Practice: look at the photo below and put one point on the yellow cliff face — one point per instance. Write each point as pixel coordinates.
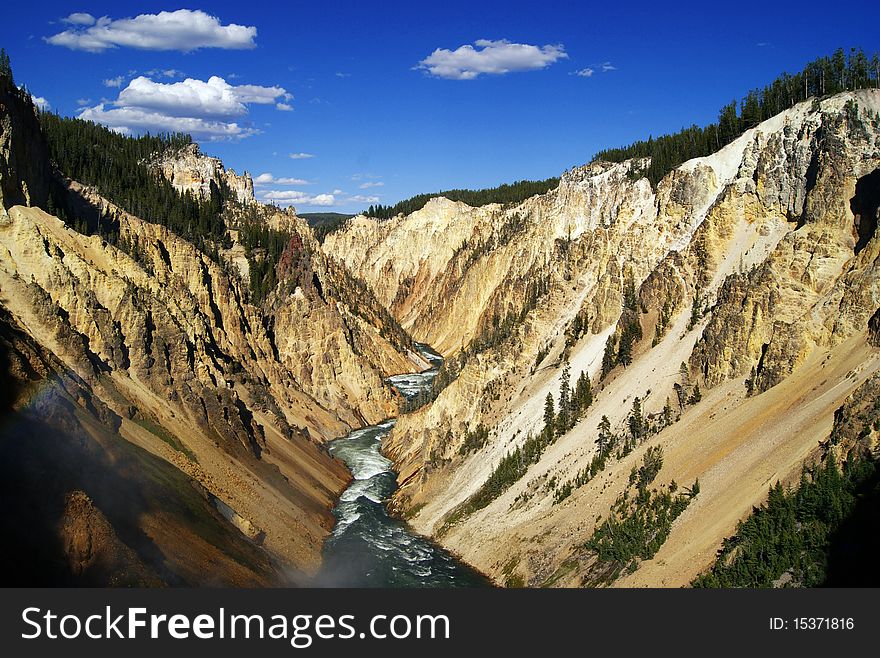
(758, 262)
(236, 396)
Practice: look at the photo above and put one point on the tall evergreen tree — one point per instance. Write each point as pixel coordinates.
(6, 67)
(609, 358)
(563, 419)
(549, 418)
(583, 393)
(605, 436)
(636, 421)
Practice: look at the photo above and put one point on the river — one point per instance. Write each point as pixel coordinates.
(368, 546)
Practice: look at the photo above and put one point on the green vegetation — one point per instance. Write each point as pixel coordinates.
(498, 330)
(637, 524)
(116, 165)
(821, 77)
(619, 347)
(652, 462)
(157, 430)
(324, 223)
(6, 67)
(793, 532)
(507, 194)
(263, 248)
(638, 429)
(573, 402)
(578, 328)
(512, 579)
(510, 469)
(687, 392)
(448, 373)
(662, 322)
(474, 440)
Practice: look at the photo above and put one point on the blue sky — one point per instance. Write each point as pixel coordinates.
(355, 86)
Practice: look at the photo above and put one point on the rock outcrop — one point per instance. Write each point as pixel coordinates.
(25, 173)
(189, 170)
(164, 340)
(754, 278)
(83, 506)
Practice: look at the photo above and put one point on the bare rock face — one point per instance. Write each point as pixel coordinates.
(243, 186)
(24, 163)
(94, 552)
(169, 332)
(86, 506)
(755, 263)
(188, 170)
(805, 292)
(173, 356)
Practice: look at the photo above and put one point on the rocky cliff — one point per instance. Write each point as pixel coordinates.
(226, 397)
(189, 170)
(730, 305)
(25, 172)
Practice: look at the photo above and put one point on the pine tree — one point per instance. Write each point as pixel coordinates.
(563, 419)
(667, 414)
(6, 67)
(583, 393)
(603, 441)
(636, 420)
(609, 358)
(549, 418)
(624, 351)
(750, 382)
(684, 374)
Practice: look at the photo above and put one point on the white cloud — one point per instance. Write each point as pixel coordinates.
(337, 191)
(608, 66)
(132, 119)
(584, 73)
(268, 179)
(41, 103)
(202, 108)
(79, 18)
(114, 82)
(342, 75)
(301, 156)
(366, 186)
(284, 107)
(290, 197)
(82, 102)
(185, 30)
(214, 98)
(490, 57)
(363, 199)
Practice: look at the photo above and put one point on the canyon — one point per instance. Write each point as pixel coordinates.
(756, 263)
(151, 348)
(173, 427)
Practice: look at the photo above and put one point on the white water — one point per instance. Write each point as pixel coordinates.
(368, 547)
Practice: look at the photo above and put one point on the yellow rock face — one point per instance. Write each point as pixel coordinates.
(170, 343)
(750, 258)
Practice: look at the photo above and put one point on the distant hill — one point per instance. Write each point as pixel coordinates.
(323, 223)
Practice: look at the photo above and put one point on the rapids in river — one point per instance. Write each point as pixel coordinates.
(368, 546)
